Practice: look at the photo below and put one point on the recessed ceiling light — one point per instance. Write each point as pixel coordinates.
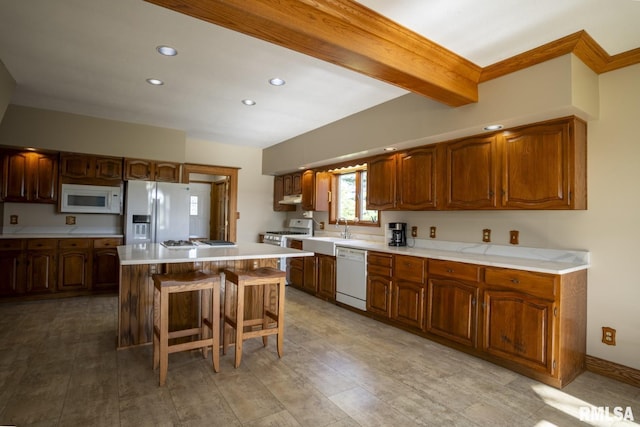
(166, 51)
(277, 81)
(155, 82)
(493, 127)
(248, 102)
(390, 149)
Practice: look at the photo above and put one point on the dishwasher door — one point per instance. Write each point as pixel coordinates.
(351, 277)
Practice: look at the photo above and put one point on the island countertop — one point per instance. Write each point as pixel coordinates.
(155, 253)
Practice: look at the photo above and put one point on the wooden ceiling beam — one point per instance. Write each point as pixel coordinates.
(350, 35)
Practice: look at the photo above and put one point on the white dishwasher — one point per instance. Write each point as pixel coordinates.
(351, 277)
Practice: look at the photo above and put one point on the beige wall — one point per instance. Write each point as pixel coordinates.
(255, 200)
(7, 84)
(609, 229)
(47, 129)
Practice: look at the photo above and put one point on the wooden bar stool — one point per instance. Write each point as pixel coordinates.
(209, 287)
(271, 322)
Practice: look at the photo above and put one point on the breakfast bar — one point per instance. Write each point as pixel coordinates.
(137, 264)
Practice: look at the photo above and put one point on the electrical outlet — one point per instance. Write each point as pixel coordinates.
(432, 232)
(414, 231)
(513, 237)
(70, 220)
(13, 219)
(486, 235)
(608, 335)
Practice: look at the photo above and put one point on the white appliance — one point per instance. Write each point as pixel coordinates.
(351, 277)
(156, 212)
(76, 198)
(297, 228)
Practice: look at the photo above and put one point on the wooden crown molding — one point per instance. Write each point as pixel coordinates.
(348, 34)
(580, 44)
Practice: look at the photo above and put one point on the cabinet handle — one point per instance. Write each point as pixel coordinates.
(329, 196)
(515, 281)
(449, 270)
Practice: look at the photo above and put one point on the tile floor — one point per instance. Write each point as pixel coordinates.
(59, 367)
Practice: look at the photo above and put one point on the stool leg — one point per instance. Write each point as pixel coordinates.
(280, 326)
(239, 322)
(215, 329)
(164, 335)
(156, 328)
(266, 294)
(226, 313)
(205, 314)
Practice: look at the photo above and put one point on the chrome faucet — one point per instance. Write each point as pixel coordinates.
(346, 234)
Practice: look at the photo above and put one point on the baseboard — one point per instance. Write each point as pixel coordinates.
(613, 370)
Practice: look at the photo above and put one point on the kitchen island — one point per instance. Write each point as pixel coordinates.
(137, 264)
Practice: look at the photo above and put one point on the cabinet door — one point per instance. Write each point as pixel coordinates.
(452, 310)
(77, 165)
(138, 169)
(167, 172)
(518, 328)
(381, 183)
(105, 269)
(310, 281)
(379, 295)
(537, 167)
(327, 276)
(408, 303)
(416, 182)
(15, 172)
(11, 272)
(108, 168)
(41, 271)
(278, 194)
(308, 186)
(74, 269)
(471, 167)
(45, 179)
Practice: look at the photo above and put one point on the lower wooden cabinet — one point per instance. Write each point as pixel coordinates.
(310, 274)
(452, 310)
(46, 266)
(379, 283)
(409, 291)
(326, 270)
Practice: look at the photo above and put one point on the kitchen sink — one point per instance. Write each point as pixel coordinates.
(323, 245)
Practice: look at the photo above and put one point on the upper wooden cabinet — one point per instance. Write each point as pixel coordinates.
(89, 169)
(278, 194)
(471, 173)
(28, 176)
(315, 190)
(416, 179)
(404, 181)
(292, 184)
(151, 170)
(544, 166)
(381, 182)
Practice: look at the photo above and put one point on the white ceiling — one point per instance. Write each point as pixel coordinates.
(92, 57)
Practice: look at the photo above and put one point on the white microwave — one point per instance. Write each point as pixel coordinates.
(77, 198)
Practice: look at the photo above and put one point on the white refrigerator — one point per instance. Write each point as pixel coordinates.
(156, 212)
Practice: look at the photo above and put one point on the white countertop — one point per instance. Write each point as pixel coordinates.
(553, 261)
(59, 236)
(153, 253)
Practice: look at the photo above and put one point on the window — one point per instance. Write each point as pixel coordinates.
(193, 208)
(350, 202)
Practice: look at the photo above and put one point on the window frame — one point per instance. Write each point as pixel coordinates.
(333, 205)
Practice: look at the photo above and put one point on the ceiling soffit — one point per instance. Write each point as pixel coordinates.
(348, 34)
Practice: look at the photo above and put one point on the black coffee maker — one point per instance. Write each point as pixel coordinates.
(398, 234)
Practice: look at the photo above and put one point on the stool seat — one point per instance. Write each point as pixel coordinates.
(209, 318)
(272, 320)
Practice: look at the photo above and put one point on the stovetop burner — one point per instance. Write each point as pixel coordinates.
(178, 244)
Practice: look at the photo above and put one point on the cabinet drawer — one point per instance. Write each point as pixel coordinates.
(380, 259)
(75, 243)
(378, 270)
(106, 243)
(537, 284)
(295, 244)
(10, 244)
(455, 270)
(410, 268)
(42, 244)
